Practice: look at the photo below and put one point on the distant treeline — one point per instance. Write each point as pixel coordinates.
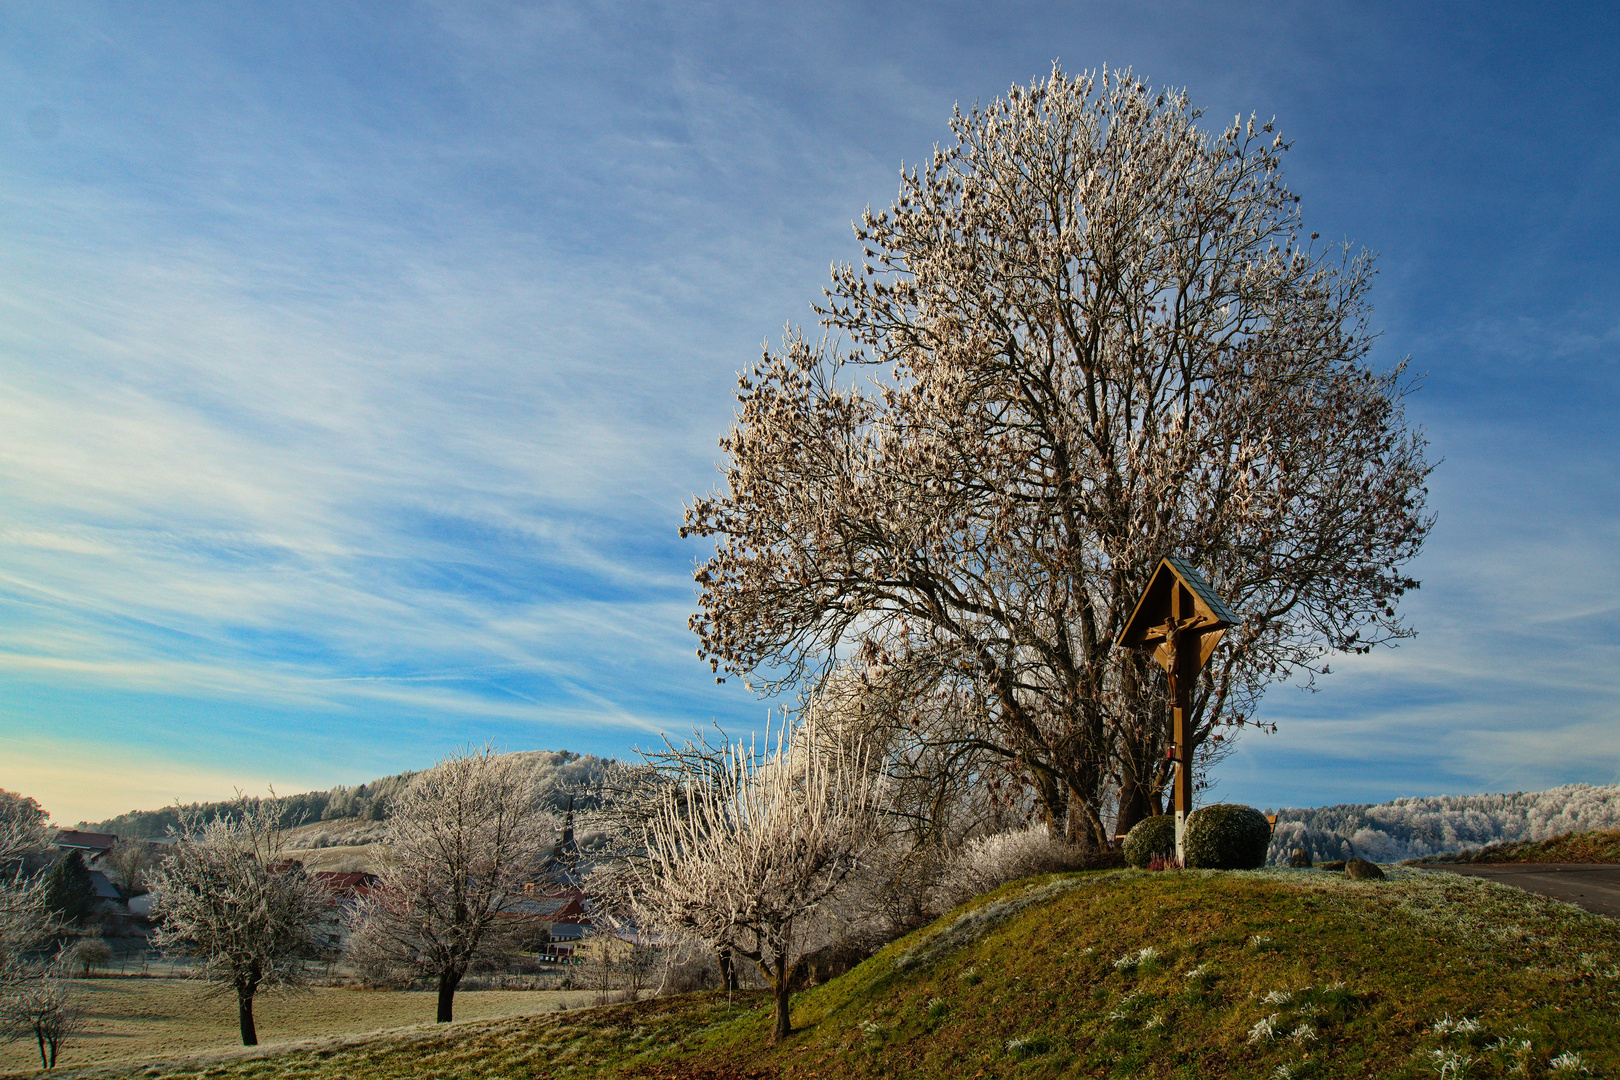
(1417, 827)
(156, 824)
(554, 774)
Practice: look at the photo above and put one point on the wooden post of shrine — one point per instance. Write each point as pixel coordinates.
(1179, 620)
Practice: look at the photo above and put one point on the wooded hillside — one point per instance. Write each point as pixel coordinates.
(552, 773)
(1413, 828)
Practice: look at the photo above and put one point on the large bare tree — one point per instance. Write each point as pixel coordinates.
(461, 842)
(742, 856)
(1089, 333)
(227, 897)
(25, 920)
(28, 980)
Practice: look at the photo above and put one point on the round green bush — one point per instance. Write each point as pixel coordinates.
(1151, 836)
(1227, 837)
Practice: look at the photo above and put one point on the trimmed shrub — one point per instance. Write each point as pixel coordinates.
(1227, 837)
(1151, 836)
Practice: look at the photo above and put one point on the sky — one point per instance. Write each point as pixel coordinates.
(356, 360)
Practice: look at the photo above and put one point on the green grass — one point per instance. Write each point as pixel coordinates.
(585, 1042)
(1201, 974)
(1601, 846)
(129, 1019)
(1358, 973)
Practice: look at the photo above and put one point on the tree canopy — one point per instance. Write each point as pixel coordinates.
(462, 840)
(228, 897)
(1089, 333)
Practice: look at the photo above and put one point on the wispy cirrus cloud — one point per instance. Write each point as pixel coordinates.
(354, 364)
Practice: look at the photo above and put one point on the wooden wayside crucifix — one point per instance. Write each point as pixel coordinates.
(1179, 620)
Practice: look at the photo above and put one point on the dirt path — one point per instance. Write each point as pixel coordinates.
(1593, 886)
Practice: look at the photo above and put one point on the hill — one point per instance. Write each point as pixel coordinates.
(1408, 828)
(1118, 973)
(1588, 847)
(1417, 828)
(339, 816)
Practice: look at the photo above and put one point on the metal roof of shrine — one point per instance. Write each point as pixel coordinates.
(1156, 596)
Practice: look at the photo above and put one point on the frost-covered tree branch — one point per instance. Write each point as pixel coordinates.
(743, 856)
(461, 843)
(1089, 333)
(227, 897)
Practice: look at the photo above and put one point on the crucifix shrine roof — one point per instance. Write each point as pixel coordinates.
(1154, 606)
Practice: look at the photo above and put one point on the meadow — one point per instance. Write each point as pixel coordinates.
(130, 1021)
(1197, 975)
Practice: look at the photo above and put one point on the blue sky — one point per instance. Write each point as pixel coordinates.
(356, 359)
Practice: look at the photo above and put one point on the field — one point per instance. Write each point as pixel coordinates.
(128, 1020)
(344, 845)
(1198, 975)
(347, 859)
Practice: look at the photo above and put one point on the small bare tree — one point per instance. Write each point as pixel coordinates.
(87, 954)
(27, 922)
(130, 861)
(461, 843)
(629, 797)
(40, 1004)
(227, 897)
(600, 964)
(742, 858)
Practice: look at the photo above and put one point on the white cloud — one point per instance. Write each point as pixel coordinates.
(369, 388)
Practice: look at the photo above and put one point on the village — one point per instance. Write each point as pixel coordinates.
(551, 918)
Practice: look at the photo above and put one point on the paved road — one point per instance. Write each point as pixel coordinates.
(1595, 887)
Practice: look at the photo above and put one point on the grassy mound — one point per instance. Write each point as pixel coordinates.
(1588, 847)
(1199, 974)
(1232, 974)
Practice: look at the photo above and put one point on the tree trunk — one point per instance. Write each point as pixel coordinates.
(1054, 802)
(244, 1014)
(1134, 804)
(779, 986)
(40, 1035)
(728, 971)
(1136, 770)
(448, 981)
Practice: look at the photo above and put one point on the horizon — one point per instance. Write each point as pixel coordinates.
(359, 361)
(51, 823)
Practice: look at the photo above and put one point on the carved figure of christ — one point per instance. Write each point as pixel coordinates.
(1178, 621)
(1180, 655)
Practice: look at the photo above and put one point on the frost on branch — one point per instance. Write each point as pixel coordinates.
(1090, 332)
(988, 862)
(461, 842)
(743, 855)
(228, 898)
(34, 991)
